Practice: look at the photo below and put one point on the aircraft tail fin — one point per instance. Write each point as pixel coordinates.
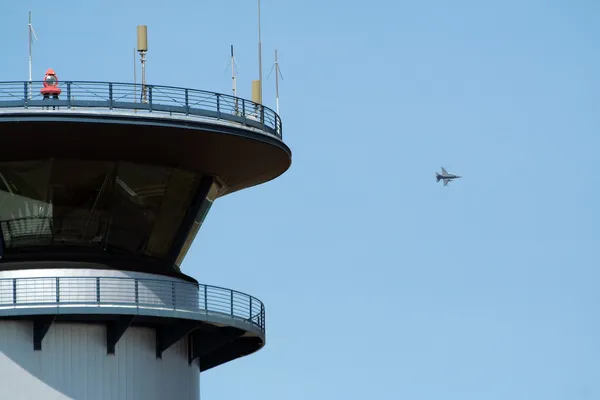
(437, 177)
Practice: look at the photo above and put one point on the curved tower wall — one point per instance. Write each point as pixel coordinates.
(74, 365)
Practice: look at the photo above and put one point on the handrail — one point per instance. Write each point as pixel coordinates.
(102, 291)
(190, 103)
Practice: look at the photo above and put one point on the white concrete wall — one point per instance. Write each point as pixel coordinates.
(73, 364)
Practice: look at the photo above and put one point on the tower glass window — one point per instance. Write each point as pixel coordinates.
(93, 206)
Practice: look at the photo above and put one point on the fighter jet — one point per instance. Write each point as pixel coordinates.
(445, 176)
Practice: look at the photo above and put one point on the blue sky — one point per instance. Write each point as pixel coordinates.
(378, 282)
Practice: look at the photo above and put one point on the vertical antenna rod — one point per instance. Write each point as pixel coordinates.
(134, 78)
(233, 72)
(31, 31)
(233, 82)
(276, 81)
(259, 55)
(277, 75)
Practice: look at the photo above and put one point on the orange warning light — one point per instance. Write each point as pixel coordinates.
(50, 85)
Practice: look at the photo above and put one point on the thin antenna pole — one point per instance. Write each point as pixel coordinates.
(31, 31)
(143, 60)
(233, 81)
(134, 77)
(278, 74)
(276, 81)
(30, 39)
(259, 54)
(233, 72)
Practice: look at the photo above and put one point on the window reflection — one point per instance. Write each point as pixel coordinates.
(79, 201)
(93, 205)
(25, 207)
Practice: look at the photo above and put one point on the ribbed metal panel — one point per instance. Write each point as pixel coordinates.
(74, 365)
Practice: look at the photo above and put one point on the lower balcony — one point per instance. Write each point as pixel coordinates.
(222, 324)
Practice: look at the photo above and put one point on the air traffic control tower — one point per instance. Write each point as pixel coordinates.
(103, 187)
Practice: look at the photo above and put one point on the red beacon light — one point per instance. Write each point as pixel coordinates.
(50, 85)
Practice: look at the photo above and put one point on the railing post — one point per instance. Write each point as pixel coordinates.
(57, 290)
(280, 128)
(150, 98)
(110, 95)
(250, 312)
(98, 290)
(137, 293)
(174, 299)
(244, 110)
(218, 106)
(260, 315)
(231, 301)
(187, 102)
(205, 298)
(69, 95)
(25, 95)
(262, 116)
(14, 290)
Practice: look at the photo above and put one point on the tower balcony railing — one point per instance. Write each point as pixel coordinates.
(137, 98)
(126, 295)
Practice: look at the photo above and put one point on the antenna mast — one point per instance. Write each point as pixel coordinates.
(233, 82)
(277, 72)
(257, 84)
(277, 75)
(259, 56)
(233, 72)
(134, 78)
(31, 31)
(142, 47)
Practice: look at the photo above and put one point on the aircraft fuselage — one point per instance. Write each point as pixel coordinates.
(445, 176)
(449, 177)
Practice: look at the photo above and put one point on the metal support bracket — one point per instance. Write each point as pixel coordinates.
(204, 342)
(40, 328)
(167, 336)
(116, 329)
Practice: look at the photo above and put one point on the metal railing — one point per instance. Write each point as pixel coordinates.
(128, 96)
(23, 293)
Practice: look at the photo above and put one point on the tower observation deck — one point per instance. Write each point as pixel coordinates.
(101, 196)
